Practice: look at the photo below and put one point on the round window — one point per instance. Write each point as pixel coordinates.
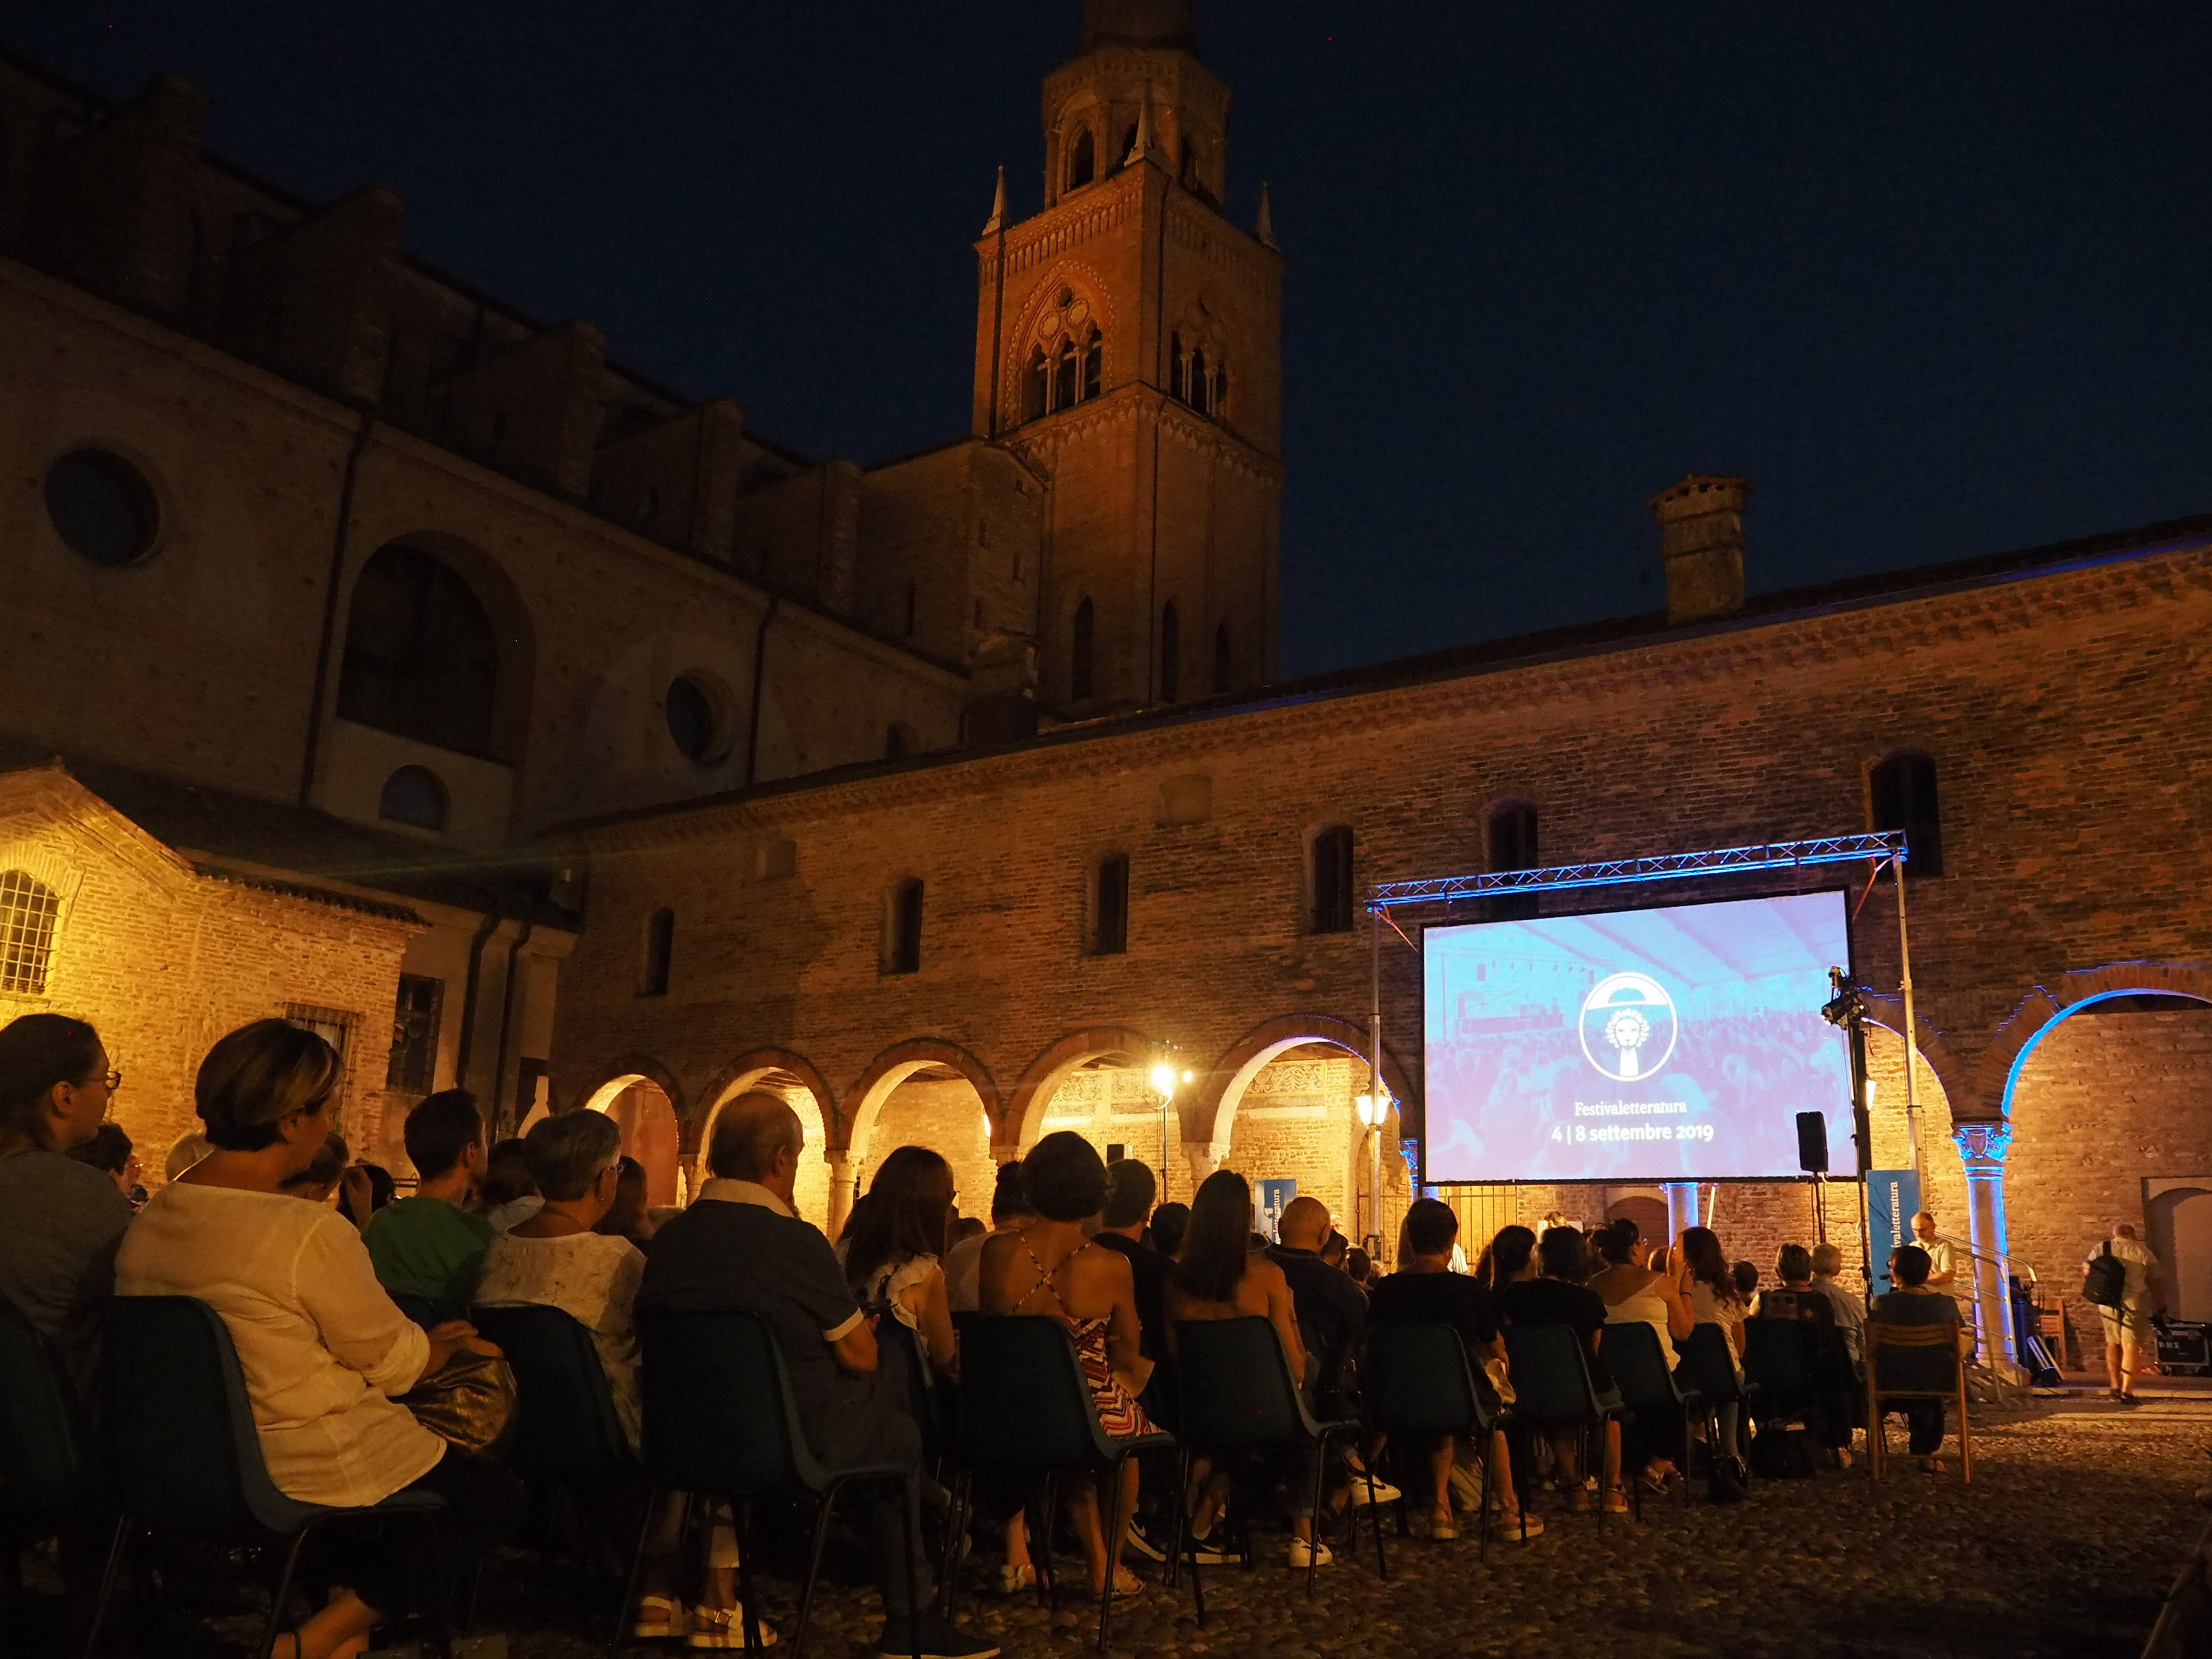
(692, 724)
(103, 506)
(413, 795)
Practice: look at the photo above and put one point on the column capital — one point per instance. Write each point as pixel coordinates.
(1983, 1146)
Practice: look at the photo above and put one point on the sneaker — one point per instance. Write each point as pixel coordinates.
(1383, 1493)
(1214, 1550)
(1303, 1554)
(1141, 1543)
(1443, 1526)
(933, 1636)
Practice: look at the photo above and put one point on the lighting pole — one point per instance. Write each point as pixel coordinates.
(1163, 1085)
(1374, 1112)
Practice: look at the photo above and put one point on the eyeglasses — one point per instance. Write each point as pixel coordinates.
(113, 1080)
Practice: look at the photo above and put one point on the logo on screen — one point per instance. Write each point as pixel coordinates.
(1628, 1026)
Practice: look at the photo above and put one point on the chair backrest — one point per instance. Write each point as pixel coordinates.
(184, 1450)
(422, 1310)
(568, 1428)
(1023, 1401)
(1777, 1361)
(1549, 1365)
(1639, 1368)
(1415, 1380)
(46, 1464)
(719, 1416)
(925, 1402)
(1237, 1385)
(1912, 1359)
(1708, 1365)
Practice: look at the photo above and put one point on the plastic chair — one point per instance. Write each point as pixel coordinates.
(1648, 1385)
(1552, 1385)
(185, 1454)
(1417, 1386)
(567, 1432)
(422, 1309)
(1933, 1351)
(1025, 1405)
(1708, 1365)
(1238, 1395)
(1778, 1371)
(721, 1422)
(49, 1475)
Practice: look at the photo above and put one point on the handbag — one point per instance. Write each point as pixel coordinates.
(1500, 1383)
(2106, 1283)
(469, 1404)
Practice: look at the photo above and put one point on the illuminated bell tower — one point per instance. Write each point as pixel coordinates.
(1128, 345)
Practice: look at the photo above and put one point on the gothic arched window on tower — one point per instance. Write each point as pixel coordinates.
(1221, 659)
(1080, 650)
(1034, 387)
(1066, 376)
(1082, 160)
(1094, 363)
(1170, 653)
(1199, 382)
(1067, 365)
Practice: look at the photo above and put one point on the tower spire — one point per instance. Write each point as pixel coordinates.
(1142, 149)
(997, 221)
(1265, 230)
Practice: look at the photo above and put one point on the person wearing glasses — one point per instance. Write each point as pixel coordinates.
(64, 1218)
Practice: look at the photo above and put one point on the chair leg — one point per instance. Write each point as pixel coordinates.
(910, 1533)
(1965, 1434)
(813, 1572)
(1481, 1497)
(1047, 1579)
(1113, 1537)
(963, 1492)
(275, 1622)
(1313, 1522)
(107, 1577)
(636, 1570)
(1374, 1515)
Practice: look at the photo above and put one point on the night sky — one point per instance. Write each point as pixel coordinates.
(1936, 278)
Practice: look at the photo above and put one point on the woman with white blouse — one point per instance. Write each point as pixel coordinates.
(325, 1352)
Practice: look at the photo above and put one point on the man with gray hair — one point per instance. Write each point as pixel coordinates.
(1851, 1312)
(2128, 1332)
(742, 1247)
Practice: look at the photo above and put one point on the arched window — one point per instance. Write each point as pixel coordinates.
(421, 658)
(1199, 383)
(1330, 884)
(1109, 906)
(1068, 363)
(1082, 161)
(1035, 401)
(1511, 844)
(902, 929)
(1901, 792)
(27, 909)
(1178, 370)
(1171, 653)
(1067, 379)
(1222, 661)
(413, 795)
(899, 742)
(1094, 364)
(1078, 652)
(659, 952)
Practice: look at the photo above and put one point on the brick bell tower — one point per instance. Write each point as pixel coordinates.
(1129, 344)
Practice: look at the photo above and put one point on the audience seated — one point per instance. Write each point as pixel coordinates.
(1359, 1267)
(1746, 1283)
(893, 1253)
(1219, 1275)
(1559, 1295)
(1331, 1313)
(1915, 1302)
(1130, 1190)
(1850, 1310)
(428, 1247)
(63, 1218)
(1010, 1213)
(364, 1189)
(1509, 1257)
(1634, 1294)
(967, 1227)
(1426, 1291)
(1169, 1221)
(325, 1354)
(628, 1218)
(510, 1192)
(186, 1150)
(1050, 1266)
(742, 1247)
(109, 1152)
(321, 1177)
(1708, 1282)
(1333, 1248)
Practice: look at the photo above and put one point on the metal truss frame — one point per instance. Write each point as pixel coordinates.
(1877, 847)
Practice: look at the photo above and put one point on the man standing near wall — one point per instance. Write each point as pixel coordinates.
(2128, 1330)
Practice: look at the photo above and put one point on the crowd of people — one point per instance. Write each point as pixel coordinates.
(351, 1305)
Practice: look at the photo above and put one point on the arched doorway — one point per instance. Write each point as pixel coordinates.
(2104, 1101)
(937, 1108)
(646, 1117)
(811, 1190)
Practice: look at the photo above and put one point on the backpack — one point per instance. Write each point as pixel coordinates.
(1782, 1454)
(1728, 1480)
(2106, 1283)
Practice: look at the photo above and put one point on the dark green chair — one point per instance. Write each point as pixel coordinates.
(1025, 1407)
(1552, 1387)
(187, 1456)
(1778, 1370)
(1647, 1383)
(1237, 1395)
(566, 1435)
(50, 1474)
(1416, 1387)
(721, 1422)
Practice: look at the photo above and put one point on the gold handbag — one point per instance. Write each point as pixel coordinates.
(469, 1404)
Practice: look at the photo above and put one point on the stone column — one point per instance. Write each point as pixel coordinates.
(842, 1174)
(1682, 1210)
(1982, 1149)
(1204, 1157)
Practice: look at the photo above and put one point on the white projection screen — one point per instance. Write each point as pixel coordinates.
(1671, 1044)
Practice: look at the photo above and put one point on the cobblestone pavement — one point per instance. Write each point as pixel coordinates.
(2064, 1546)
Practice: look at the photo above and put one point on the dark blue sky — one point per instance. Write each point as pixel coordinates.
(1938, 278)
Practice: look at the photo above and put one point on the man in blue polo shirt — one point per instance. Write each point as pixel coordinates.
(742, 1247)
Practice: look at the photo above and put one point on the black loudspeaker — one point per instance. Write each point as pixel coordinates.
(1813, 1142)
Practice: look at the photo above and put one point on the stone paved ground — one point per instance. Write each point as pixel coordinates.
(2062, 1546)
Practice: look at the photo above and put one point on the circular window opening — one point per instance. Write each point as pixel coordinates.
(102, 507)
(692, 724)
(413, 796)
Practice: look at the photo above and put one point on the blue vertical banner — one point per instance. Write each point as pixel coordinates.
(1274, 1196)
(1892, 1199)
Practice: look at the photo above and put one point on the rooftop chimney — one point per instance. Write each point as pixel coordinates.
(1701, 539)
